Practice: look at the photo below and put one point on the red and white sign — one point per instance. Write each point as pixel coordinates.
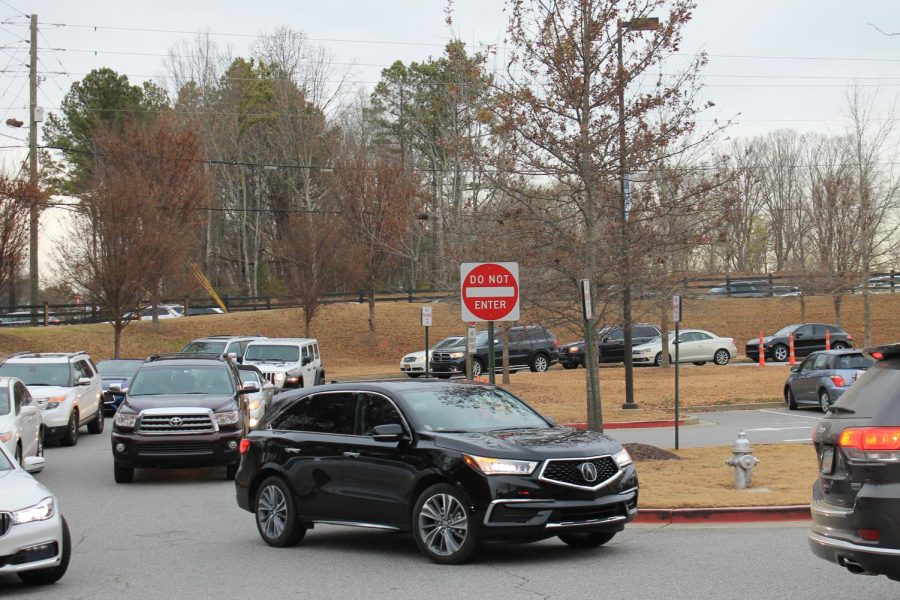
(489, 291)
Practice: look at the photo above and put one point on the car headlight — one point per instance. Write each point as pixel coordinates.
(292, 380)
(228, 418)
(642, 351)
(622, 458)
(279, 378)
(5, 436)
(41, 511)
(500, 466)
(457, 354)
(572, 350)
(55, 401)
(255, 404)
(125, 420)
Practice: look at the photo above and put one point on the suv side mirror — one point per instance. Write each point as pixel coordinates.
(249, 388)
(83, 381)
(29, 411)
(392, 432)
(34, 464)
(306, 360)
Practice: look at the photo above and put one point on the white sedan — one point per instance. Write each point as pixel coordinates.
(695, 346)
(21, 423)
(413, 364)
(34, 537)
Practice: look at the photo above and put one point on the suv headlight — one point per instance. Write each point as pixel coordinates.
(572, 349)
(228, 418)
(279, 378)
(500, 466)
(457, 354)
(622, 458)
(41, 511)
(55, 401)
(254, 404)
(125, 420)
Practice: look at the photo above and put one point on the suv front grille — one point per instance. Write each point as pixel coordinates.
(568, 472)
(440, 356)
(5, 523)
(269, 377)
(177, 423)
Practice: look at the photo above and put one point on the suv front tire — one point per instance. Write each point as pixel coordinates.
(70, 437)
(441, 525)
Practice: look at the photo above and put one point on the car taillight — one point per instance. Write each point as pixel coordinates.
(849, 337)
(869, 535)
(878, 356)
(245, 445)
(838, 380)
(879, 444)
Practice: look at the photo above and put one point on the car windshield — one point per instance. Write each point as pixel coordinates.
(39, 373)
(250, 377)
(4, 401)
(449, 342)
(853, 361)
(280, 353)
(5, 464)
(162, 380)
(118, 368)
(468, 409)
(204, 348)
(785, 330)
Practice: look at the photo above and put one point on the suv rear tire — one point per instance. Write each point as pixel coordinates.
(441, 525)
(276, 514)
(70, 437)
(540, 363)
(96, 426)
(477, 367)
(591, 539)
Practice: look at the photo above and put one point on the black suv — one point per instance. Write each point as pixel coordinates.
(454, 463)
(856, 498)
(610, 344)
(742, 289)
(530, 346)
(808, 338)
(181, 410)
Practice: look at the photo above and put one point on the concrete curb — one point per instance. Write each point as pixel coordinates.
(639, 424)
(745, 406)
(733, 514)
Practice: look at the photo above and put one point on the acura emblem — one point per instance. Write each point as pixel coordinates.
(588, 471)
(176, 422)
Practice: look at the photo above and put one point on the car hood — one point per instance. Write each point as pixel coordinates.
(213, 402)
(20, 490)
(755, 341)
(530, 444)
(273, 367)
(47, 391)
(416, 355)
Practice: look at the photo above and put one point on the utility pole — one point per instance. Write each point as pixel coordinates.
(33, 166)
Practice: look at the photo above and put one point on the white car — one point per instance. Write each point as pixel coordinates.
(34, 538)
(21, 426)
(66, 385)
(163, 311)
(287, 363)
(257, 402)
(413, 364)
(695, 346)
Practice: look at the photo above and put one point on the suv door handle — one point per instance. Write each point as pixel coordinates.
(351, 454)
(293, 450)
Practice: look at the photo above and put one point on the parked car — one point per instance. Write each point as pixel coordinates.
(611, 344)
(447, 461)
(257, 402)
(808, 338)
(759, 288)
(67, 387)
(117, 371)
(194, 311)
(222, 345)
(26, 318)
(287, 362)
(823, 377)
(182, 410)
(880, 284)
(855, 498)
(162, 311)
(21, 425)
(34, 538)
(413, 364)
(695, 346)
(783, 291)
(530, 347)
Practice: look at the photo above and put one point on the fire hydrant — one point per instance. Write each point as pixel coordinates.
(743, 462)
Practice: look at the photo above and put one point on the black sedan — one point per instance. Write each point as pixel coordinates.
(454, 463)
(808, 338)
(855, 499)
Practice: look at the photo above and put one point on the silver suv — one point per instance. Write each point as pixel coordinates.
(68, 387)
(287, 362)
(223, 345)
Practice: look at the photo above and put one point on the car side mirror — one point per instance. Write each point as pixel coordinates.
(268, 386)
(392, 432)
(34, 464)
(115, 388)
(795, 369)
(306, 360)
(29, 411)
(83, 381)
(249, 388)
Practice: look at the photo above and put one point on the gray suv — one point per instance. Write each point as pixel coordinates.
(824, 377)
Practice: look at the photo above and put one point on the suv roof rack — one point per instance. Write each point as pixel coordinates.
(228, 335)
(184, 356)
(23, 353)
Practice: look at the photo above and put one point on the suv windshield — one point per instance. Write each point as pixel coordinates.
(118, 368)
(4, 401)
(853, 361)
(785, 330)
(34, 373)
(157, 381)
(450, 342)
(278, 353)
(204, 348)
(465, 409)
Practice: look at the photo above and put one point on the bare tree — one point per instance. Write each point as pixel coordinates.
(16, 195)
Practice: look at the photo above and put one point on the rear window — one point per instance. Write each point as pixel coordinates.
(879, 386)
(273, 352)
(204, 348)
(853, 361)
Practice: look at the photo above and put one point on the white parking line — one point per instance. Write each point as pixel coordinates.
(775, 412)
(800, 440)
(776, 428)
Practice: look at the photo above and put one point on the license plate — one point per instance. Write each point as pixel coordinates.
(827, 463)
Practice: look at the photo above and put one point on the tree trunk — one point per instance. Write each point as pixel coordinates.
(837, 300)
(117, 339)
(664, 323)
(802, 307)
(373, 328)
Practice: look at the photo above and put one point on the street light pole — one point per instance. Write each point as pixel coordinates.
(637, 24)
(33, 167)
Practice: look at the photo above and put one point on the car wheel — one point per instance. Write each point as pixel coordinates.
(699, 363)
(414, 375)
(477, 367)
(441, 525)
(721, 357)
(658, 361)
(70, 438)
(824, 400)
(276, 514)
(586, 540)
(123, 474)
(96, 426)
(838, 346)
(780, 353)
(789, 398)
(539, 363)
(54, 574)
(231, 471)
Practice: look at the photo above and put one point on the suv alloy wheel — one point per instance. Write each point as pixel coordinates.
(477, 367)
(780, 353)
(722, 357)
(276, 515)
(441, 525)
(539, 363)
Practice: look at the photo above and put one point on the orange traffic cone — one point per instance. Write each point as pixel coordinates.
(792, 360)
(762, 351)
(827, 339)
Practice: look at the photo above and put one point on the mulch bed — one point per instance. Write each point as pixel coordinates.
(648, 452)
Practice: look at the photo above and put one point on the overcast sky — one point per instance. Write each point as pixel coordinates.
(773, 63)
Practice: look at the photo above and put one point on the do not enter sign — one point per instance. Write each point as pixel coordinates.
(489, 291)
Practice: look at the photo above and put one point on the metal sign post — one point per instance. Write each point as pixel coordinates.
(491, 352)
(594, 411)
(426, 323)
(676, 317)
(471, 347)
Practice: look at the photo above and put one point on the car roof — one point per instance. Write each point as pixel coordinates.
(841, 352)
(50, 357)
(387, 386)
(284, 341)
(122, 360)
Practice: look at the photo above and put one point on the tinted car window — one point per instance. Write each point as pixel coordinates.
(325, 413)
(807, 364)
(4, 401)
(373, 410)
(205, 347)
(835, 329)
(118, 368)
(645, 331)
(806, 330)
(163, 380)
(516, 335)
(82, 370)
(879, 386)
(853, 361)
(39, 373)
(821, 362)
(615, 335)
(818, 330)
(471, 409)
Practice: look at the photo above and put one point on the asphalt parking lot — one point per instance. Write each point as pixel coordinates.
(179, 534)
